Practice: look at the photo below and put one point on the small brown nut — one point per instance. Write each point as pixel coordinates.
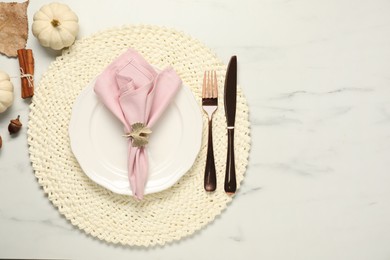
(14, 126)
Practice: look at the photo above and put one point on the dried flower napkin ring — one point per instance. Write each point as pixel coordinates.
(139, 134)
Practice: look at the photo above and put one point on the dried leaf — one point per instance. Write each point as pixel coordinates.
(13, 27)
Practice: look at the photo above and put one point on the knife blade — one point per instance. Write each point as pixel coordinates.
(230, 97)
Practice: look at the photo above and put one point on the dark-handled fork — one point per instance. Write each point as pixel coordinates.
(210, 105)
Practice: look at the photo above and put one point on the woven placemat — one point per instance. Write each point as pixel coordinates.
(160, 217)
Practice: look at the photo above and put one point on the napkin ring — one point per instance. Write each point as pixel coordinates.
(139, 134)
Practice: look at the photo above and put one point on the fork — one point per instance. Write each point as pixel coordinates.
(210, 105)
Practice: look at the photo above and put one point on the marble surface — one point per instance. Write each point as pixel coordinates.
(316, 76)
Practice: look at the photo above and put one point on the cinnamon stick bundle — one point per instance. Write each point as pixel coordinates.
(26, 63)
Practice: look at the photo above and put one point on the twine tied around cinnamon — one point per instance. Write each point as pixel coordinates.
(28, 76)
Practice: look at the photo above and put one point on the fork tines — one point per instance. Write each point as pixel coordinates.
(210, 88)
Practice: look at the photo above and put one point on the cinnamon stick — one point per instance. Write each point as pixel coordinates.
(26, 63)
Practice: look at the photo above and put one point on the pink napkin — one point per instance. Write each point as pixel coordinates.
(136, 93)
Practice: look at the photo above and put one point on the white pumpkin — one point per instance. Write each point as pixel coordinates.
(6, 92)
(55, 25)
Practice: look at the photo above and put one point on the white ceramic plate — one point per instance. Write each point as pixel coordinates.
(97, 141)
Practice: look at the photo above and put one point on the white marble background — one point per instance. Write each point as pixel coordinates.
(317, 78)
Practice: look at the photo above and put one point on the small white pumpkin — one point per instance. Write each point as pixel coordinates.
(55, 25)
(6, 92)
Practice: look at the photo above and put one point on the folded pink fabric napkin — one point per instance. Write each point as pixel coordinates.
(136, 93)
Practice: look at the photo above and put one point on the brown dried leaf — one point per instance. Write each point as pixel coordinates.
(13, 27)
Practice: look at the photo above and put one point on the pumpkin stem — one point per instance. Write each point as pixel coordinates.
(55, 23)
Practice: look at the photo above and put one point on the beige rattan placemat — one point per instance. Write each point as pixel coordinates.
(161, 217)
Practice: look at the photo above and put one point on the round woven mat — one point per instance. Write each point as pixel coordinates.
(160, 217)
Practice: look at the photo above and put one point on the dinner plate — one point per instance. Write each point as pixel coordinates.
(96, 138)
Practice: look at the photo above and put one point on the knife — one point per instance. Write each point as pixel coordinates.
(230, 113)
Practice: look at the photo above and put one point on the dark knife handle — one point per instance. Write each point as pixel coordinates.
(230, 175)
(210, 176)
